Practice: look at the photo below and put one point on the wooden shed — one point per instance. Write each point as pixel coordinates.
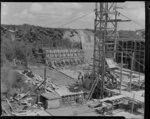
(50, 100)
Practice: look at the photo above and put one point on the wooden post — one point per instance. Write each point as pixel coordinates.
(131, 70)
(26, 56)
(133, 103)
(112, 107)
(121, 71)
(14, 60)
(45, 79)
(139, 81)
(7, 112)
(115, 43)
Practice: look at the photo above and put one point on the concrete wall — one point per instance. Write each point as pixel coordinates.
(62, 56)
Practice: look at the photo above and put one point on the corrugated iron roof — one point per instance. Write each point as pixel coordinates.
(50, 95)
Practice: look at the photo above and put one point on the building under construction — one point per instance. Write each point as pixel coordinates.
(115, 79)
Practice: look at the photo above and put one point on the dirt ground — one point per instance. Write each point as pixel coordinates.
(71, 111)
(61, 79)
(56, 77)
(128, 115)
(84, 110)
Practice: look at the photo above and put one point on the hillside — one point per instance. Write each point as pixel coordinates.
(30, 38)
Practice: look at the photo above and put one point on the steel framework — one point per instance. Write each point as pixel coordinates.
(104, 41)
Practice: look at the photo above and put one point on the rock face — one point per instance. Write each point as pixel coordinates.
(85, 37)
(55, 38)
(72, 35)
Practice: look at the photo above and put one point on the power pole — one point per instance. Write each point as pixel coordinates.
(104, 40)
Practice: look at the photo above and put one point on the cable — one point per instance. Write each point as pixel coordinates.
(80, 17)
(130, 19)
(74, 20)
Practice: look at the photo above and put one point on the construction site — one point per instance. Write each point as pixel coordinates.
(104, 77)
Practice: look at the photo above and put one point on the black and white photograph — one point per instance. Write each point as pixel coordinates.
(73, 59)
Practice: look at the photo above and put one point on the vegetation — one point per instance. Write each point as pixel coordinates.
(27, 47)
(30, 39)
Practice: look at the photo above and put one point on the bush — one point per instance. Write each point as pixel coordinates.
(6, 49)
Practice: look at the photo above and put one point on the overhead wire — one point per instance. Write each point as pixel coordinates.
(74, 20)
(130, 19)
(80, 17)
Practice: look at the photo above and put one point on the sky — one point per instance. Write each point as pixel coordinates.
(68, 15)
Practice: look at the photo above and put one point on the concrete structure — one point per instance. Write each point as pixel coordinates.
(62, 57)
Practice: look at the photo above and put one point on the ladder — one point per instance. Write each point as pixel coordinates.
(92, 88)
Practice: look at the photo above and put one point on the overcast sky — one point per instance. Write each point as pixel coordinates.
(55, 14)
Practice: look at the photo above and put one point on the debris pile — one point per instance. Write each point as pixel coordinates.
(22, 100)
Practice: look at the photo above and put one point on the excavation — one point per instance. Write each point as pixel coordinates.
(96, 72)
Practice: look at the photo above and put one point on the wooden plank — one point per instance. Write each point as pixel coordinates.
(3, 108)
(10, 105)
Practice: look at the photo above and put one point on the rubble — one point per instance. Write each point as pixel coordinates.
(25, 104)
(100, 77)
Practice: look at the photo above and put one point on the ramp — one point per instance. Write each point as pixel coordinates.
(111, 64)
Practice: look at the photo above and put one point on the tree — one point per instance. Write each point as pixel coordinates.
(6, 49)
(19, 50)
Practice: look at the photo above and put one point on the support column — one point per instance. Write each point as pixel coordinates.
(131, 71)
(132, 103)
(45, 79)
(121, 70)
